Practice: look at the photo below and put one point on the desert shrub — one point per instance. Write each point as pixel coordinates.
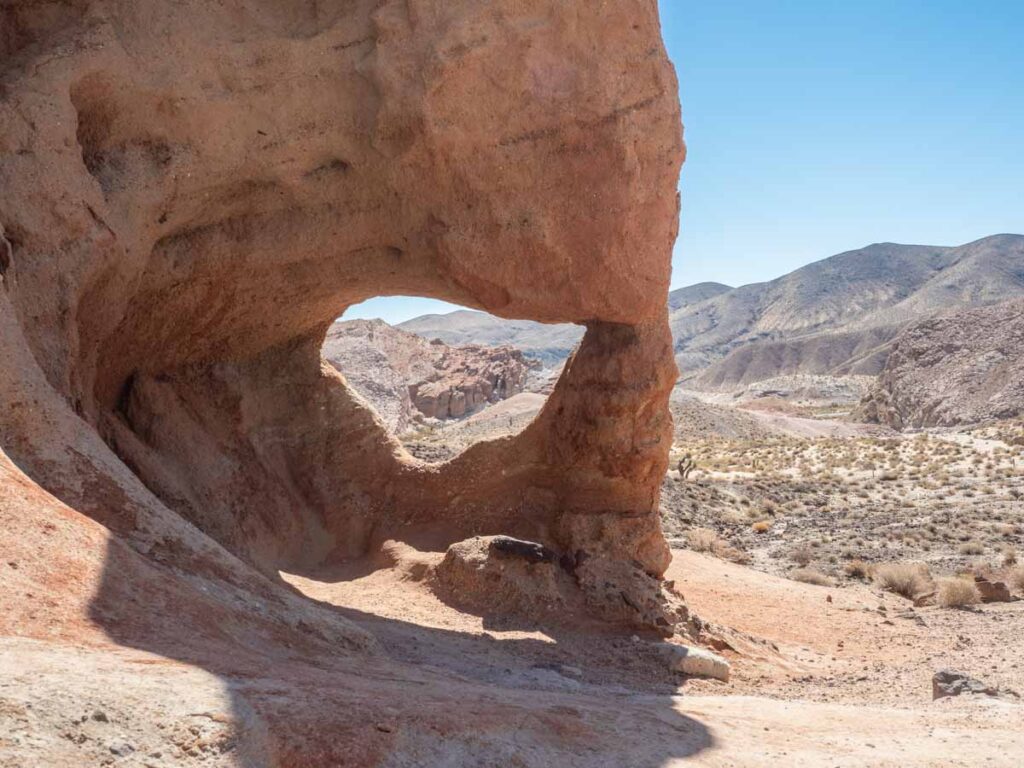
(802, 556)
(706, 540)
(811, 576)
(906, 579)
(731, 517)
(857, 569)
(1009, 556)
(761, 526)
(1016, 579)
(956, 592)
(972, 548)
(726, 551)
(701, 539)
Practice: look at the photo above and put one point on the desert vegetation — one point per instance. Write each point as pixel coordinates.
(905, 512)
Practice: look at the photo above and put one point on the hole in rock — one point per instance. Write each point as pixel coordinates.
(443, 377)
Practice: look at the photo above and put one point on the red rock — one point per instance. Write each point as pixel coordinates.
(193, 192)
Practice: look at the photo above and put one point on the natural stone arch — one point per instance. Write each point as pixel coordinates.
(185, 235)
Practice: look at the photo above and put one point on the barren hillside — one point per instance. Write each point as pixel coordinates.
(550, 344)
(838, 316)
(955, 368)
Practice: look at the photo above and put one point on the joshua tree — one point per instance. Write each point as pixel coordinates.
(685, 466)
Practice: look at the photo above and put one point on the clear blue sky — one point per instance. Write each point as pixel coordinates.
(819, 126)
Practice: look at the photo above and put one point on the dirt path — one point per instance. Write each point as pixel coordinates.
(846, 682)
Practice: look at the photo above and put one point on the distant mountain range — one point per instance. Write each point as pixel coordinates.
(550, 344)
(835, 317)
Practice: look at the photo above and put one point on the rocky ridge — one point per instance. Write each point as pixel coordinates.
(405, 376)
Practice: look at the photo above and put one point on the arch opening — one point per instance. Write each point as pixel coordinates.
(443, 382)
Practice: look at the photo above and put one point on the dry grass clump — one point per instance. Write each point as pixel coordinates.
(906, 579)
(1016, 579)
(956, 592)
(857, 569)
(811, 576)
(706, 540)
(972, 548)
(702, 539)
(802, 556)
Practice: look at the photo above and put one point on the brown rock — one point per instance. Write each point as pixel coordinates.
(194, 192)
(947, 682)
(466, 379)
(502, 576)
(992, 591)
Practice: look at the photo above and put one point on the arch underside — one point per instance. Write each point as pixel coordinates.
(187, 234)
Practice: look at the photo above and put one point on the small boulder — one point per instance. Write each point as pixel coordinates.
(120, 748)
(501, 576)
(695, 662)
(947, 682)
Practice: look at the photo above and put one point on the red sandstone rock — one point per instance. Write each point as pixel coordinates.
(184, 235)
(194, 191)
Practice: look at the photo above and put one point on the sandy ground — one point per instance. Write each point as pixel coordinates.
(537, 696)
(800, 426)
(820, 676)
(851, 644)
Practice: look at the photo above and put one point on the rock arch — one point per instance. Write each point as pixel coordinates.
(202, 188)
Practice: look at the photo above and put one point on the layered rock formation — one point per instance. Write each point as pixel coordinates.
(403, 375)
(468, 378)
(194, 191)
(956, 368)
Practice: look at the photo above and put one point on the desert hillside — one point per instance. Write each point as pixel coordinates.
(959, 367)
(550, 344)
(837, 317)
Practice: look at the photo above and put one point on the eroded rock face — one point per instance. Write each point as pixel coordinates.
(194, 191)
(467, 379)
(404, 375)
(959, 367)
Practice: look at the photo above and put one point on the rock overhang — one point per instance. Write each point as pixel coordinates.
(199, 205)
